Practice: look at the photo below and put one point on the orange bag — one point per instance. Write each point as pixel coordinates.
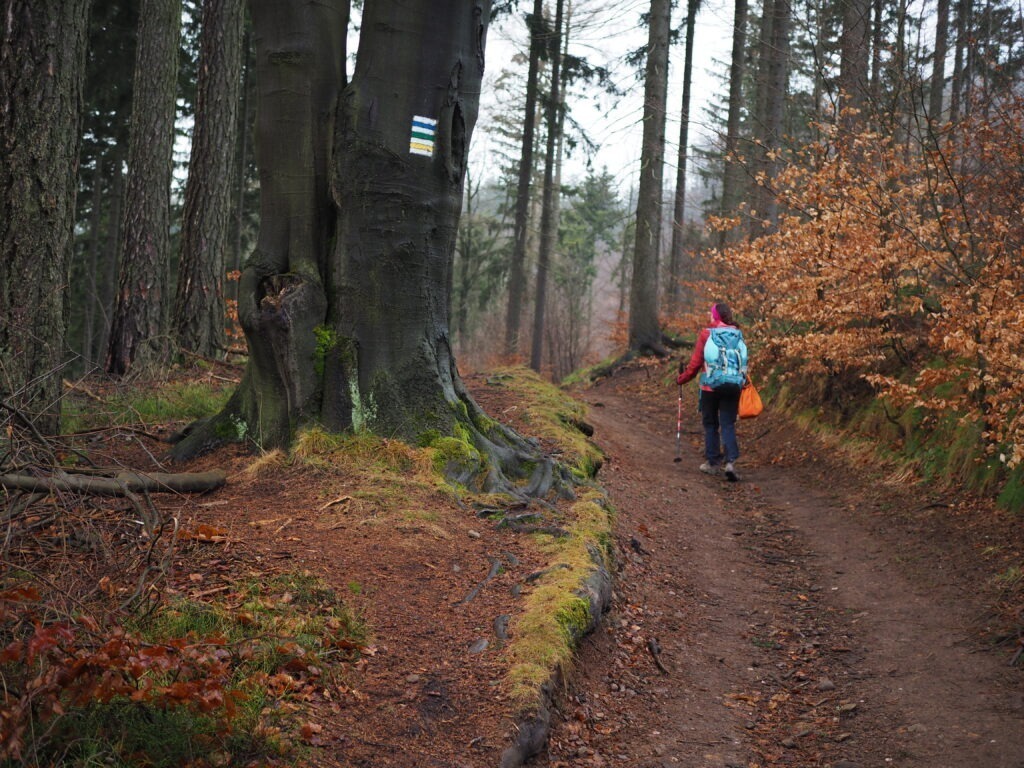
(750, 402)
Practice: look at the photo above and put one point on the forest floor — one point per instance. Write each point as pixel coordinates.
(823, 611)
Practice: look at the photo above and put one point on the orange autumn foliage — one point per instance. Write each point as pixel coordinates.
(900, 267)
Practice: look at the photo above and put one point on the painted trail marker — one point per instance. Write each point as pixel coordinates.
(421, 141)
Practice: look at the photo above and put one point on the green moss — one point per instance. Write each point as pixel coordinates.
(556, 616)
(231, 427)
(326, 340)
(456, 458)
(364, 410)
(426, 439)
(574, 618)
(552, 416)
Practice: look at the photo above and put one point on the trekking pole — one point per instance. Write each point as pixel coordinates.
(679, 426)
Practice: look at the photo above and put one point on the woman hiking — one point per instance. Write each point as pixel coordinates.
(722, 366)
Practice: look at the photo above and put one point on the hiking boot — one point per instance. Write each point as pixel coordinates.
(730, 473)
(710, 469)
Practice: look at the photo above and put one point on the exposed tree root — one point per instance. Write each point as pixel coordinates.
(495, 569)
(668, 342)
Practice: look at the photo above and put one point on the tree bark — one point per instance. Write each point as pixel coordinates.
(138, 322)
(938, 84)
(644, 325)
(92, 260)
(758, 154)
(960, 59)
(548, 223)
(282, 301)
(42, 65)
(399, 192)
(733, 167)
(111, 249)
(854, 58)
(777, 80)
(243, 154)
(677, 256)
(517, 265)
(198, 321)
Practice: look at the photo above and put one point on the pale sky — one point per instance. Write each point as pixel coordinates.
(603, 37)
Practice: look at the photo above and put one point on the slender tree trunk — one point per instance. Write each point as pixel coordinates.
(42, 64)
(957, 86)
(198, 319)
(548, 225)
(818, 90)
(898, 107)
(137, 326)
(731, 177)
(111, 251)
(242, 150)
(95, 245)
(677, 257)
(778, 79)
(644, 325)
(854, 53)
(758, 159)
(466, 256)
(938, 83)
(625, 268)
(556, 200)
(877, 43)
(517, 270)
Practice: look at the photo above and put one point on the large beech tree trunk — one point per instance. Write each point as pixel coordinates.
(400, 195)
(282, 294)
(345, 300)
(42, 64)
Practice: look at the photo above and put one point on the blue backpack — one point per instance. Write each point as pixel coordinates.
(725, 359)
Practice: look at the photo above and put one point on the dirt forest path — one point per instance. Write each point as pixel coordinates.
(809, 615)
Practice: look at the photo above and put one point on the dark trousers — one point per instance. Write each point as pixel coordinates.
(718, 411)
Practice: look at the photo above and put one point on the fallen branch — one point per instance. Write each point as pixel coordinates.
(551, 530)
(120, 485)
(655, 650)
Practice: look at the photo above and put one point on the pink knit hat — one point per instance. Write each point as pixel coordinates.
(714, 313)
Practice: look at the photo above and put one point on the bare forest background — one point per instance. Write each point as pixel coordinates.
(853, 190)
